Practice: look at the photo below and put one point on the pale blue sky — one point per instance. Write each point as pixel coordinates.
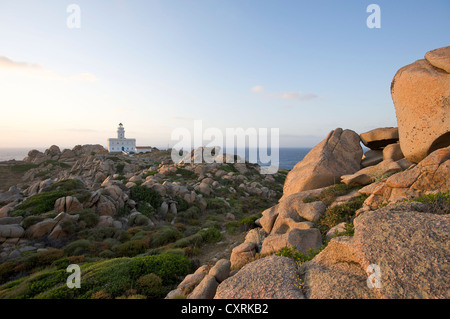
(305, 67)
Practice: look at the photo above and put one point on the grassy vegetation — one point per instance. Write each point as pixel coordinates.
(438, 203)
(43, 202)
(144, 194)
(21, 168)
(298, 256)
(340, 213)
(328, 195)
(114, 278)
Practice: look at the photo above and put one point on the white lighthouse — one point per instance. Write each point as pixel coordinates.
(119, 144)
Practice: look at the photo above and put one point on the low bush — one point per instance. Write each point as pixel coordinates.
(210, 235)
(328, 195)
(43, 258)
(150, 285)
(6, 271)
(164, 236)
(298, 256)
(186, 173)
(131, 248)
(138, 220)
(77, 247)
(438, 203)
(145, 194)
(31, 220)
(182, 204)
(39, 203)
(88, 216)
(340, 213)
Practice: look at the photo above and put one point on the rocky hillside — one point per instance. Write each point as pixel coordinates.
(354, 225)
(99, 210)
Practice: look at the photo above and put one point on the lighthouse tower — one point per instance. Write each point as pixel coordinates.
(121, 144)
(120, 132)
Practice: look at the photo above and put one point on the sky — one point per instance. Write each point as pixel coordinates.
(304, 67)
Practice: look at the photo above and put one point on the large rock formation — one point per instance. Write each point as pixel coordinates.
(421, 95)
(431, 175)
(272, 277)
(409, 245)
(339, 154)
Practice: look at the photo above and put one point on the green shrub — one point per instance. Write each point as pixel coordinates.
(89, 216)
(186, 173)
(164, 236)
(138, 220)
(6, 271)
(228, 167)
(114, 276)
(131, 248)
(195, 240)
(190, 213)
(182, 204)
(231, 227)
(21, 168)
(77, 247)
(45, 201)
(39, 203)
(68, 227)
(107, 254)
(43, 258)
(210, 235)
(101, 233)
(215, 203)
(349, 230)
(31, 220)
(120, 167)
(67, 185)
(249, 222)
(340, 213)
(144, 194)
(328, 195)
(438, 203)
(150, 285)
(298, 256)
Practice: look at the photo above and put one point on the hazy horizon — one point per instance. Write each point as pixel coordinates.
(305, 67)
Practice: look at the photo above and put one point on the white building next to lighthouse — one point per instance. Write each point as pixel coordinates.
(119, 144)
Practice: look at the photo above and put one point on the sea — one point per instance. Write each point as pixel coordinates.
(288, 156)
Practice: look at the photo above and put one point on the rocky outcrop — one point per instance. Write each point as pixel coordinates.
(378, 138)
(410, 248)
(430, 175)
(68, 204)
(272, 277)
(421, 95)
(339, 154)
(369, 174)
